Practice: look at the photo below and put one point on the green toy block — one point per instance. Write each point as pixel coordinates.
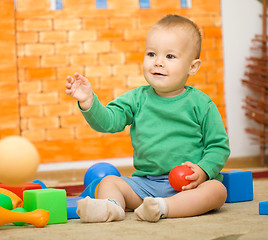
(50, 199)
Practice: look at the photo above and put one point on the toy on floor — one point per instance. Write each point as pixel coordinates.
(19, 160)
(92, 179)
(177, 176)
(239, 185)
(92, 189)
(39, 218)
(43, 185)
(263, 208)
(16, 200)
(100, 170)
(21, 210)
(19, 189)
(5, 202)
(50, 199)
(72, 207)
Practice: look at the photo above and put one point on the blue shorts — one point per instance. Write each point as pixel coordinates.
(151, 186)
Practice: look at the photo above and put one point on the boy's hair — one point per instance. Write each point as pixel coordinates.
(179, 21)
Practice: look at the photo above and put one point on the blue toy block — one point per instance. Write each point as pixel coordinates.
(239, 185)
(72, 207)
(263, 208)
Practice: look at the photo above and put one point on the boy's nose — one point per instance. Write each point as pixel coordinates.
(159, 62)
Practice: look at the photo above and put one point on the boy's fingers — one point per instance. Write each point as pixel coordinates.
(192, 177)
(191, 185)
(70, 79)
(80, 77)
(188, 164)
(188, 187)
(68, 85)
(68, 92)
(77, 75)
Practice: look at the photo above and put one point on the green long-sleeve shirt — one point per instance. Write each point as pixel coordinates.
(166, 132)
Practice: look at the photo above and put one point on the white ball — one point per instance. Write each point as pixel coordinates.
(19, 160)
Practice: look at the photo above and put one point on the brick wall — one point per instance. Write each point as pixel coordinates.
(9, 94)
(40, 47)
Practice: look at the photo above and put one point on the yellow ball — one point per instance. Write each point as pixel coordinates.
(19, 160)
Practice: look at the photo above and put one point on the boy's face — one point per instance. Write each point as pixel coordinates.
(168, 60)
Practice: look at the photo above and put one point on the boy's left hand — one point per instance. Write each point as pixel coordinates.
(198, 177)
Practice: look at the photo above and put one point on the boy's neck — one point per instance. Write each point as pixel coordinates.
(170, 94)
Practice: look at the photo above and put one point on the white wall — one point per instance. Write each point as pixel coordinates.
(241, 21)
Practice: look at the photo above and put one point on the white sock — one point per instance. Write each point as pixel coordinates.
(99, 210)
(152, 209)
(162, 206)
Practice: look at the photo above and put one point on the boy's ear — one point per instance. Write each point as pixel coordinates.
(195, 65)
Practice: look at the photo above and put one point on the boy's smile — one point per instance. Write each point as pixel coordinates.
(159, 74)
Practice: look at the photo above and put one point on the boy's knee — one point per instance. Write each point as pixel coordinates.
(114, 182)
(221, 191)
(110, 179)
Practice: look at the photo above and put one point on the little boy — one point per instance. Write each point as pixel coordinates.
(171, 124)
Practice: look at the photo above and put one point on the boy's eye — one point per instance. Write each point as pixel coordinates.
(151, 54)
(170, 56)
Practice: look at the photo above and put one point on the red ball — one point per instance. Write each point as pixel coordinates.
(177, 176)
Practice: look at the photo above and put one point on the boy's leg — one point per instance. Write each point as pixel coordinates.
(114, 194)
(207, 196)
(116, 188)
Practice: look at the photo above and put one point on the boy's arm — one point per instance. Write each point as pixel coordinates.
(216, 149)
(216, 142)
(112, 118)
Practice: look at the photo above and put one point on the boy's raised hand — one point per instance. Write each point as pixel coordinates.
(198, 177)
(80, 88)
